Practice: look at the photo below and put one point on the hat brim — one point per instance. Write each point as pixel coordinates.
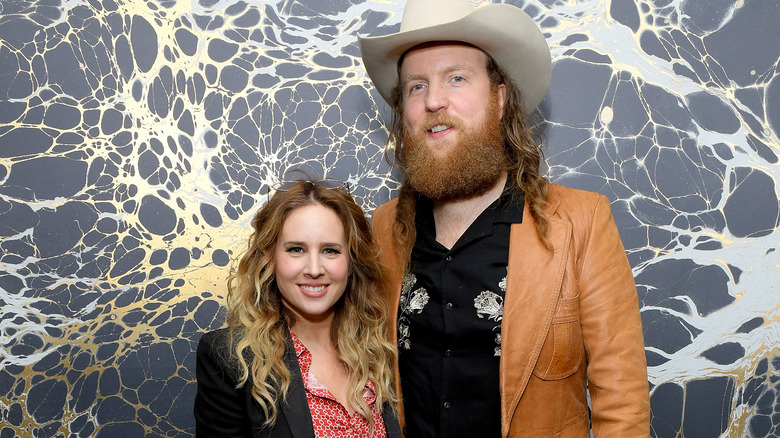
(504, 31)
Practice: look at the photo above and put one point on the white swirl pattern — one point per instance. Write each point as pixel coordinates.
(137, 139)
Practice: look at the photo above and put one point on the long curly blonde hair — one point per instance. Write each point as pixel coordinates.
(522, 148)
(259, 324)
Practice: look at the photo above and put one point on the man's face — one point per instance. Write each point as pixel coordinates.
(453, 145)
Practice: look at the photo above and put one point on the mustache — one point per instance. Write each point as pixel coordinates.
(436, 119)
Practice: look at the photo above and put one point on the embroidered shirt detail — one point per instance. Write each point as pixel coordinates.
(410, 302)
(490, 305)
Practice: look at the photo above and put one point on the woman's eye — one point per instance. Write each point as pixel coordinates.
(294, 249)
(333, 251)
(457, 78)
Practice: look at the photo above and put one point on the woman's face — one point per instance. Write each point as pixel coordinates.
(312, 262)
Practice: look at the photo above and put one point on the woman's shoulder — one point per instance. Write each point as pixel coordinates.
(215, 348)
(216, 339)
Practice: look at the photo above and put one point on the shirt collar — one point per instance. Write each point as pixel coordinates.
(509, 208)
(369, 394)
(299, 347)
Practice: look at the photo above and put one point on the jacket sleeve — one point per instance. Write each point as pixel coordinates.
(612, 332)
(220, 408)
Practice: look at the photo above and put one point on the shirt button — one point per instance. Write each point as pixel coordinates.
(448, 258)
(446, 405)
(448, 306)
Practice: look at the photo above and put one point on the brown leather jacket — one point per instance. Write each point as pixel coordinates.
(571, 324)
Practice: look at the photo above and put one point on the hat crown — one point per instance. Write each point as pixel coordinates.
(502, 30)
(419, 14)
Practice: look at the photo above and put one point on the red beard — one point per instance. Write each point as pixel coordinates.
(469, 168)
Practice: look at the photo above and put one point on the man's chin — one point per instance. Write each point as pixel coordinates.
(440, 149)
(444, 189)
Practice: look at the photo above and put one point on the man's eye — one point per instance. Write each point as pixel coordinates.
(457, 78)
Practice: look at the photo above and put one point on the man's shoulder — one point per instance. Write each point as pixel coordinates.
(574, 204)
(387, 206)
(566, 192)
(568, 195)
(384, 215)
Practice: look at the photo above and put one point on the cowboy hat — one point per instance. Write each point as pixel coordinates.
(504, 31)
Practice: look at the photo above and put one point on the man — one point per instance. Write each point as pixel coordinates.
(515, 307)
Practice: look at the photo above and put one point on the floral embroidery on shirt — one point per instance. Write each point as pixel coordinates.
(417, 301)
(490, 305)
(410, 302)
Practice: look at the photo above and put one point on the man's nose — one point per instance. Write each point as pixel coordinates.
(436, 98)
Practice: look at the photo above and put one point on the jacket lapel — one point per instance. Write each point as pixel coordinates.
(296, 408)
(533, 284)
(392, 428)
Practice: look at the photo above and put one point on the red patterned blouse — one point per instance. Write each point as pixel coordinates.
(329, 417)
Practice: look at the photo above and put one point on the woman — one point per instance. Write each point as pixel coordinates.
(305, 351)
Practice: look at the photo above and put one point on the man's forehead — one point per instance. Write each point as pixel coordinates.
(445, 45)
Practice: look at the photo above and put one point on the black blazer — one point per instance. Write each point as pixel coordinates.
(221, 410)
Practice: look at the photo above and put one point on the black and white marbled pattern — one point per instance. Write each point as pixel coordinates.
(137, 139)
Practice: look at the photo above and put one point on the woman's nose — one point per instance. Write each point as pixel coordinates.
(313, 267)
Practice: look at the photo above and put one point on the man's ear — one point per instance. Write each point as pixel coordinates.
(501, 90)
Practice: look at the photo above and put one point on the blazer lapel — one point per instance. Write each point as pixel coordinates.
(296, 408)
(392, 428)
(534, 281)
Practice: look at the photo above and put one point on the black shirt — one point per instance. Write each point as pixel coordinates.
(449, 325)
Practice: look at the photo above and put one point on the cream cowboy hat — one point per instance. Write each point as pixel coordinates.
(504, 31)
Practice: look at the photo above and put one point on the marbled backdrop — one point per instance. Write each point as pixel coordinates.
(138, 137)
